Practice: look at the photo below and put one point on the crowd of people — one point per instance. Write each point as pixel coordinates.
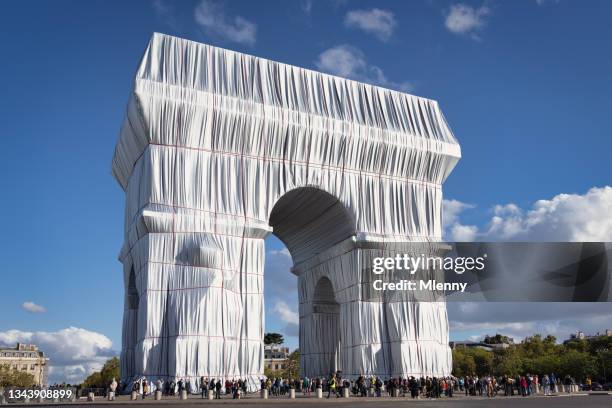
(363, 386)
(524, 385)
(424, 387)
(368, 386)
(219, 387)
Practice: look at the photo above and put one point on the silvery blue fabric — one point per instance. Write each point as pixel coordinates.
(218, 149)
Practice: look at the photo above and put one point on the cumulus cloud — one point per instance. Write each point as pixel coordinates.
(73, 353)
(286, 314)
(212, 18)
(466, 20)
(350, 62)
(451, 209)
(32, 307)
(375, 21)
(565, 217)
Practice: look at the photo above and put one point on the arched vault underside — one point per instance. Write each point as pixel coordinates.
(219, 149)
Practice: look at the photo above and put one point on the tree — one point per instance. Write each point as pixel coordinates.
(547, 363)
(578, 358)
(605, 359)
(102, 378)
(463, 363)
(497, 339)
(578, 364)
(470, 361)
(483, 360)
(15, 378)
(292, 366)
(508, 362)
(273, 338)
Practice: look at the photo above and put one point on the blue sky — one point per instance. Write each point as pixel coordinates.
(525, 85)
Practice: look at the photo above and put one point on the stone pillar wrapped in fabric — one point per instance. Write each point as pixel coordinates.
(219, 149)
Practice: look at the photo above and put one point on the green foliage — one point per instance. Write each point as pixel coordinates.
(292, 366)
(508, 362)
(102, 378)
(483, 360)
(578, 364)
(463, 363)
(15, 378)
(497, 339)
(578, 358)
(273, 338)
(269, 373)
(472, 361)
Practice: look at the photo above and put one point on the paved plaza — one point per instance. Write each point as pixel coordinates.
(582, 400)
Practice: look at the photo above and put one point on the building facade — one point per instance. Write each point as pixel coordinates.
(275, 357)
(26, 358)
(580, 335)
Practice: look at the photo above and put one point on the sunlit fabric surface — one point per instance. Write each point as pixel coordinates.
(218, 149)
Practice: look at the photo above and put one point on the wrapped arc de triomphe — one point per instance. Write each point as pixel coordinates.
(219, 149)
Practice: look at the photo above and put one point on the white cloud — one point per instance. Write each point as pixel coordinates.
(285, 313)
(375, 21)
(211, 17)
(33, 307)
(466, 20)
(463, 233)
(280, 252)
(451, 209)
(453, 229)
(565, 217)
(73, 353)
(282, 310)
(349, 62)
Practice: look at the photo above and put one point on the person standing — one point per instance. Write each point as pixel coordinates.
(218, 389)
(181, 387)
(546, 384)
(332, 386)
(523, 386)
(145, 388)
(553, 382)
(378, 386)
(159, 385)
(306, 386)
(204, 387)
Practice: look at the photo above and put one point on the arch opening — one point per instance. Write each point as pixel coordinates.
(309, 220)
(325, 318)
